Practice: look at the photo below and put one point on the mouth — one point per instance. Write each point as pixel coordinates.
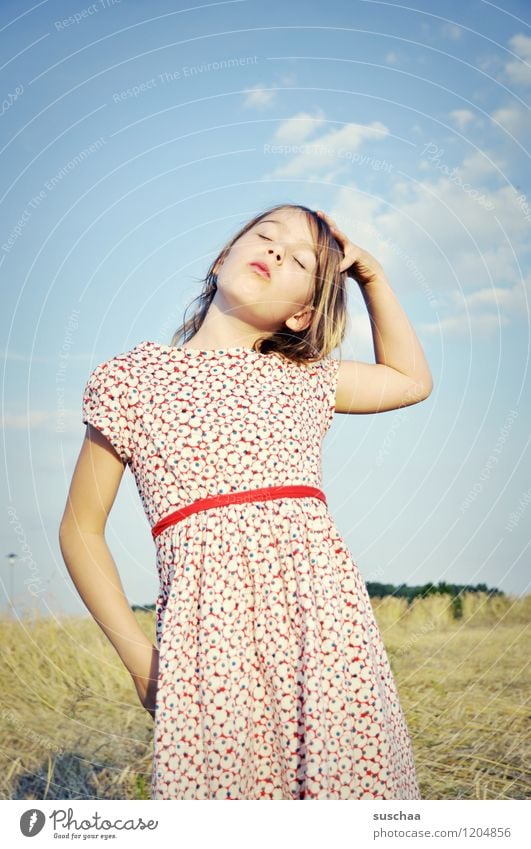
(261, 269)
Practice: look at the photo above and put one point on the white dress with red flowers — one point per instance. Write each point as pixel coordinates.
(274, 682)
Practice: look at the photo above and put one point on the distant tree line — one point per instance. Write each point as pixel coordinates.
(377, 590)
(455, 591)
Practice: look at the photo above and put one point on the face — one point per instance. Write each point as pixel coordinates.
(283, 242)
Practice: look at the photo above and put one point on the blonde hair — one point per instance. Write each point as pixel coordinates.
(327, 327)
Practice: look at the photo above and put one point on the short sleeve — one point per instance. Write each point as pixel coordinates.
(104, 405)
(327, 373)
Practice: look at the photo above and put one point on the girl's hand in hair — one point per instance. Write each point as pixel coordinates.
(358, 263)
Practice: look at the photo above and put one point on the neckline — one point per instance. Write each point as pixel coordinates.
(205, 351)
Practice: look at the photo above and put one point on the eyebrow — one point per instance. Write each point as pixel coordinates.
(274, 221)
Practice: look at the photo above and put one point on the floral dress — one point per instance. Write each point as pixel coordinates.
(273, 681)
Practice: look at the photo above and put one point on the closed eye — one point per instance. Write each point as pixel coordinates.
(295, 258)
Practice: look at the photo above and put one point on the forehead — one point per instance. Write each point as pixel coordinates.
(292, 222)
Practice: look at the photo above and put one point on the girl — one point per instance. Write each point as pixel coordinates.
(269, 678)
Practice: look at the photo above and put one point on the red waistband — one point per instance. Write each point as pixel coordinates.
(264, 494)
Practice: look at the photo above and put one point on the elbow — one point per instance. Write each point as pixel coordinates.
(422, 389)
(64, 535)
(68, 531)
(427, 387)
(65, 528)
(72, 530)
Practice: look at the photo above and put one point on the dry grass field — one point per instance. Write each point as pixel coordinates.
(72, 727)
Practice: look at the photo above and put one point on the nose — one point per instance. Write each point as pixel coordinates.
(278, 251)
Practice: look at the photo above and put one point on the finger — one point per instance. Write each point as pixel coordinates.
(340, 238)
(334, 229)
(327, 218)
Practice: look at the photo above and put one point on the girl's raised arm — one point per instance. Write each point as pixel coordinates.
(401, 375)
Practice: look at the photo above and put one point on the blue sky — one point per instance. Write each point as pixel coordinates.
(136, 138)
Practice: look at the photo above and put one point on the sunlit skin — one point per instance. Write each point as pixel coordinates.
(248, 305)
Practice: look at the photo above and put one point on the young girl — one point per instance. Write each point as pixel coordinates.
(269, 678)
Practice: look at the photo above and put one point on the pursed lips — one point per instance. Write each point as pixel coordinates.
(262, 269)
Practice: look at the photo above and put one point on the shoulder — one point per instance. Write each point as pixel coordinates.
(125, 361)
(109, 398)
(325, 368)
(318, 366)
(120, 374)
(328, 365)
(320, 375)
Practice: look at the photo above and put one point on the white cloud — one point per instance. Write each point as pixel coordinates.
(519, 70)
(70, 421)
(261, 96)
(451, 31)
(481, 164)
(516, 120)
(452, 239)
(481, 297)
(294, 130)
(434, 239)
(333, 176)
(512, 299)
(337, 148)
(461, 118)
(258, 97)
(392, 58)
(465, 326)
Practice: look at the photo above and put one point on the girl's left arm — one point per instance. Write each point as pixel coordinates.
(401, 375)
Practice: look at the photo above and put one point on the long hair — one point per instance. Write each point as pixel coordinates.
(327, 327)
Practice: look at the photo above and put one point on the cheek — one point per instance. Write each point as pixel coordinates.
(238, 251)
(302, 285)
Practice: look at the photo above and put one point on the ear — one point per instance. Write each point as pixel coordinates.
(301, 320)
